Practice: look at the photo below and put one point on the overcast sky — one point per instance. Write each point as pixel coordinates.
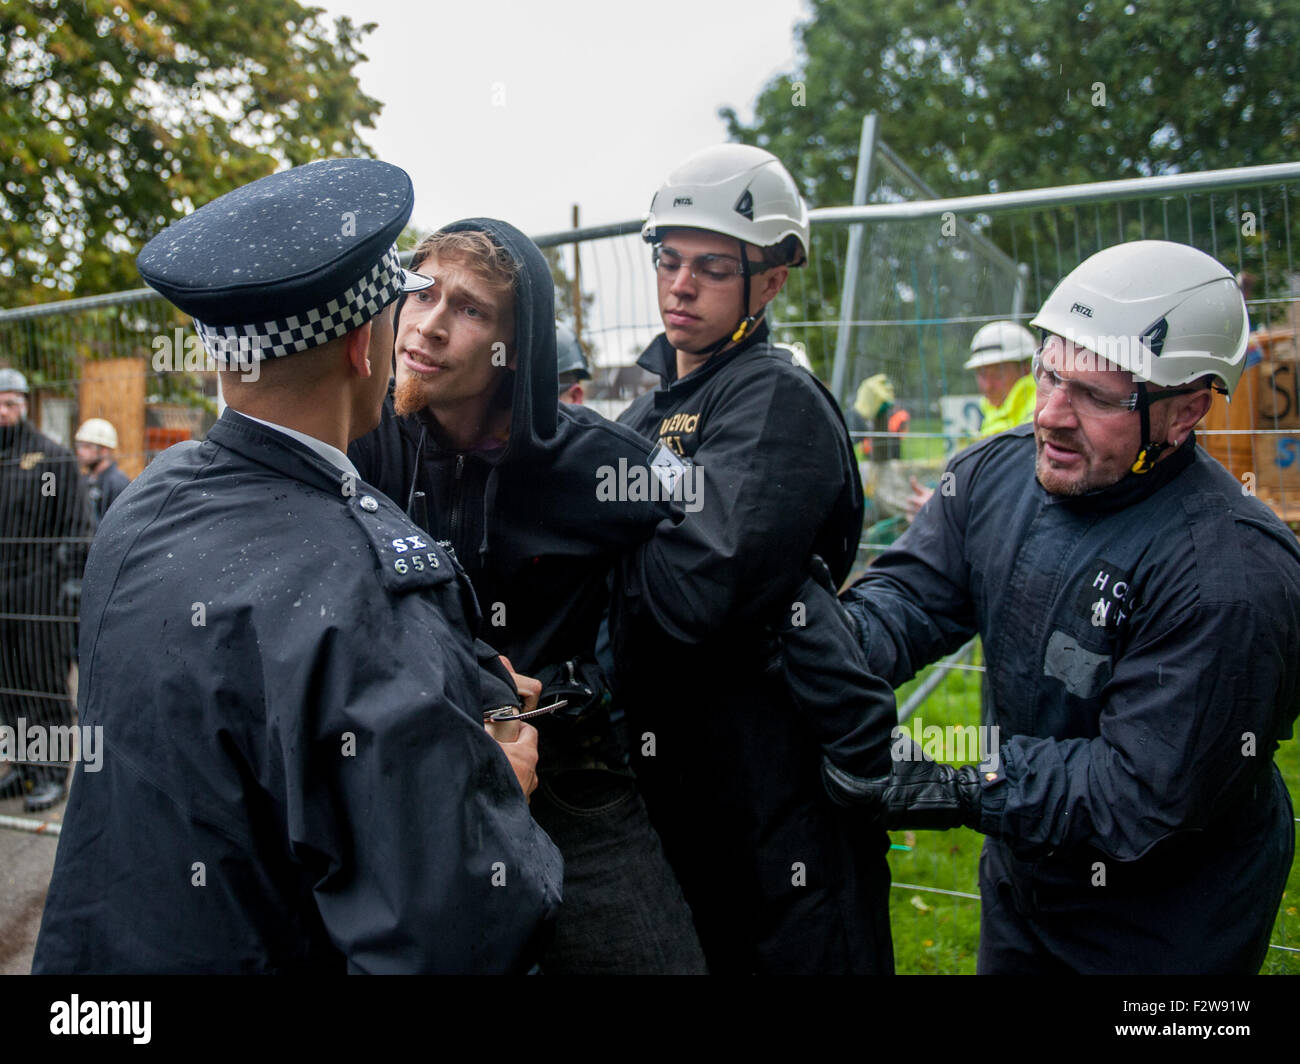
(519, 110)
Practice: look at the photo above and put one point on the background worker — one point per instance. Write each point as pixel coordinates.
(570, 365)
(45, 524)
(96, 442)
(1000, 354)
(875, 405)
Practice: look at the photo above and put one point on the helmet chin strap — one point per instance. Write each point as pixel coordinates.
(747, 320)
(1150, 451)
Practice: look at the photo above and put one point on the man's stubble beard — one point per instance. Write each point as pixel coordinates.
(410, 395)
(1047, 478)
(1047, 474)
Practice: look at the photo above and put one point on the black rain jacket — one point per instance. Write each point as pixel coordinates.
(1143, 652)
(731, 710)
(295, 776)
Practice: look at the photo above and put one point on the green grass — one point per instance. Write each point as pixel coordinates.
(939, 934)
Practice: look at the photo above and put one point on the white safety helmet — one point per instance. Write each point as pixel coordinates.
(1001, 341)
(736, 190)
(97, 430)
(1167, 313)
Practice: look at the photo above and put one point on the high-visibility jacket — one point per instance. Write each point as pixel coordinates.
(1015, 409)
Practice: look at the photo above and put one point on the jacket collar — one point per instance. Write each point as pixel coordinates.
(1131, 488)
(660, 358)
(275, 450)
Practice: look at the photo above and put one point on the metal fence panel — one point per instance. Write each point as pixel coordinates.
(929, 274)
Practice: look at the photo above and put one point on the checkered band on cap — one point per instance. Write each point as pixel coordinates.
(273, 339)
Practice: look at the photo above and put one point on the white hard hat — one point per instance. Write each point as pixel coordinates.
(97, 430)
(1167, 313)
(736, 190)
(1000, 341)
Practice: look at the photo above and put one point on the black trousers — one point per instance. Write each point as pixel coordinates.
(35, 657)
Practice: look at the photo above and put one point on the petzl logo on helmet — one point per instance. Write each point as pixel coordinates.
(745, 205)
(1154, 337)
(1079, 308)
(683, 201)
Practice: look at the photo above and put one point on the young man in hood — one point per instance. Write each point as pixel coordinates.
(714, 621)
(474, 442)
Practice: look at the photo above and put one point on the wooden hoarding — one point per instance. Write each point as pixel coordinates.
(114, 389)
(1262, 446)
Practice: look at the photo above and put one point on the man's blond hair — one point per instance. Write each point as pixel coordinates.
(475, 251)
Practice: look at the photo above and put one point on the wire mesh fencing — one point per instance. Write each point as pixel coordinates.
(894, 288)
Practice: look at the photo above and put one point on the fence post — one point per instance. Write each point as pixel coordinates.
(861, 188)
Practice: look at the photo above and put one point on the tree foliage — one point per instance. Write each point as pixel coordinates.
(122, 115)
(988, 95)
(983, 96)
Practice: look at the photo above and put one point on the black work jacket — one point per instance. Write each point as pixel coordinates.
(1143, 652)
(45, 526)
(779, 878)
(103, 489)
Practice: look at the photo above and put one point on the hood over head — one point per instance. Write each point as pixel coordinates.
(536, 391)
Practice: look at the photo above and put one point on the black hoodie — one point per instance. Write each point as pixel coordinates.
(529, 522)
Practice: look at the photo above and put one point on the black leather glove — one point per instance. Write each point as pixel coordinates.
(918, 793)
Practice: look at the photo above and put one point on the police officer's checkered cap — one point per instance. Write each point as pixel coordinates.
(298, 332)
(289, 262)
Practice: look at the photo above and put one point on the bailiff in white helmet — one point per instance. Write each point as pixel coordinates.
(742, 192)
(1169, 314)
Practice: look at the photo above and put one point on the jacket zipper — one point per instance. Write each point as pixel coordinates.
(455, 498)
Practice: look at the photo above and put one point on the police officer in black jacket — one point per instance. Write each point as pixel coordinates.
(731, 715)
(295, 772)
(525, 491)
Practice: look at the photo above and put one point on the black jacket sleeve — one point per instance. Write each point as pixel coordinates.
(914, 606)
(850, 712)
(740, 550)
(431, 861)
